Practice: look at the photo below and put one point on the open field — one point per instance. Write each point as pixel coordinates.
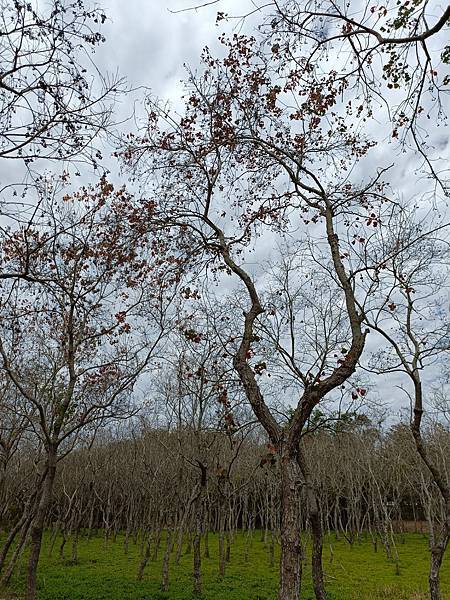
(355, 573)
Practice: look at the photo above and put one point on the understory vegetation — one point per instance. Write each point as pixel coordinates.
(353, 572)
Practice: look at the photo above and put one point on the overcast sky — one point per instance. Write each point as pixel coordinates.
(149, 41)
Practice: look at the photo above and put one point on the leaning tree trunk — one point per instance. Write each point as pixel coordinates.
(17, 552)
(20, 525)
(291, 548)
(437, 555)
(37, 526)
(440, 542)
(145, 557)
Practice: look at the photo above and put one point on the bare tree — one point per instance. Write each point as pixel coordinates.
(392, 56)
(411, 316)
(49, 106)
(252, 155)
(66, 346)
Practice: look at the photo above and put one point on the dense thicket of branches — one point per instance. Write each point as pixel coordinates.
(144, 480)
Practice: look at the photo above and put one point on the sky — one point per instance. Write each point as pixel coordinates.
(149, 41)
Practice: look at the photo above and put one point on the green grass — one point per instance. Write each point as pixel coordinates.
(356, 573)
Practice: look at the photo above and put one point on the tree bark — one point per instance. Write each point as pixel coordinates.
(37, 526)
(17, 552)
(316, 529)
(166, 559)
(199, 507)
(145, 559)
(11, 537)
(222, 544)
(197, 543)
(437, 555)
(317, 568)
(157, 542)
(439, 545)
(291, 549)
(74, 556)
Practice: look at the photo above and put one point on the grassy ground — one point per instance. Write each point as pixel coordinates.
(355, 573)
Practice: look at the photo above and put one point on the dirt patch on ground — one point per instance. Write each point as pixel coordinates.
(410, 526)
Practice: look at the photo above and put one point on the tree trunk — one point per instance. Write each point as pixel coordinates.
(145, 559)
(197, 544)
(316, 529)
(157, 542)
(37, 526)
(182, 527)
(126, 541)
(199, 509)
(317, 570)
(222, 545)
(291, 549)
(437, 554)
(166, 559)
(17, 552)
(272, 549)
(63, 543)
(439, 545)
(53, 538)
(11, 537)
(21, 526)
(74, 557)
(206, 541)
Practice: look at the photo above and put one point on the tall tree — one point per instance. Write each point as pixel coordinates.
(411, 315)
(65, 341)
(261, 150)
